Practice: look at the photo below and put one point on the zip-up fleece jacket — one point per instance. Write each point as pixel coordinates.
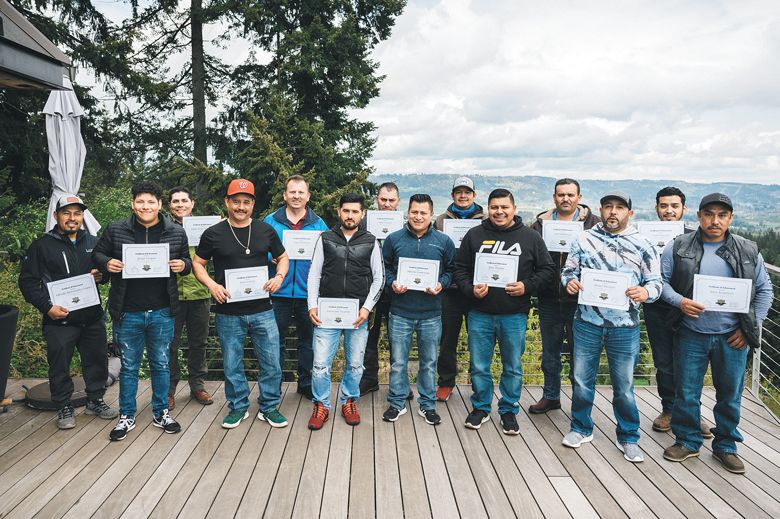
(555, 292)
(535, 269)
(432, 245)
(629, 252)
(295, 284)
(110, 246)
(53, 257)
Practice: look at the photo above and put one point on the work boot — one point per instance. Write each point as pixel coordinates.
(663, 422)
(544, 405)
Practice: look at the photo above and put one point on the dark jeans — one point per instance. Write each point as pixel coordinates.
(371, 358)
(287, 309)
(454, 310)
(555, 325)
(61, 341)
(195, 315)
(661, 337)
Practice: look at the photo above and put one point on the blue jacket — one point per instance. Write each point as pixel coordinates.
(296, 281)
(433, 245)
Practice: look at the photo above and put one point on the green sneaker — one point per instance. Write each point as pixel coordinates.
(274, 418)
(233, 419)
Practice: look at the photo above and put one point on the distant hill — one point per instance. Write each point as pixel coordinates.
(757, 206)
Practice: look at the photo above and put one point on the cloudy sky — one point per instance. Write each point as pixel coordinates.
(600, 89)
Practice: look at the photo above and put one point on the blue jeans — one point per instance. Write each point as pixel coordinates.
(326, 343)
(232, 331)
(428, 336)
(134, 330)
(286, 311)
(661, 337)
(622, 345)
(693, 351)
(484, 329)
(555, 325)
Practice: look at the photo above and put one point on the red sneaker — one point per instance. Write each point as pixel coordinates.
(443, 393)
(318, 417)
(350, 413)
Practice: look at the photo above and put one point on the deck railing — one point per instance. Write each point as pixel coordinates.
(764, 370)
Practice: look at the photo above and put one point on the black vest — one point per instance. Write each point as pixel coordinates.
(741, 255)
(346, 266)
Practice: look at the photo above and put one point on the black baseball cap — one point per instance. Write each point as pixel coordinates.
(618, 195)
(716, 198)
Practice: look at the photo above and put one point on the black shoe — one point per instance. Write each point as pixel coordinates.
(509, 424)
(66, 418)
(124, 426)
(544, 405)
(430, 415)
(166, 423)
(368, 388)
(305, 391)
(392, 414)
(476, 418)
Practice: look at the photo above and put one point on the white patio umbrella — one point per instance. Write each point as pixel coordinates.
(66, 150)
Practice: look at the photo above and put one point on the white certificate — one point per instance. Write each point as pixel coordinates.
(719, 294)
(604, 288)
(145, 260)
(417, 274)
(495, 270)
(456, 229)
(246, 284)
(195, 225)
(660, 233)
(559, 235)
(382, 223)
(74, 293)
(300, 244)
(337, 313)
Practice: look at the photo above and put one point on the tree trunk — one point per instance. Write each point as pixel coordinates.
(200, 149)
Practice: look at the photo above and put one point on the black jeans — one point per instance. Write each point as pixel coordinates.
(287, 310)
(371, 357)
(454, 310)
(61, 342)
(555, 325)
(661, 336)
(195, 316)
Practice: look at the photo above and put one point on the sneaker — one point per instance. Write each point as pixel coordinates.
(544, 405)
(305, 391)
(476, 418)
(663, 422)
(679, 453)
(575, 439)
(509, 424)
(124, 426)
(706, 432)
(730, 461)
(202, 396)
(234, 418)
(392, 414)
(171, 403)
(166, 423)
(366, 388)
(631, 451)
(318, 417)
(274, 418)
(350, 413)
(101, 409)
(65, 417)
(443, 393)
(430, 415)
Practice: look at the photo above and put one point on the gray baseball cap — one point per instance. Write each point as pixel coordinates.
(619, 195)
(66, 200)
(463, 182)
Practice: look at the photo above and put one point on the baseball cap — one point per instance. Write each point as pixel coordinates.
(65, 200)
(619, 195)
(241, 186)
(716, 198)
(463, 182)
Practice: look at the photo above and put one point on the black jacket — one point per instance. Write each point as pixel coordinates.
(536, 269)
(53, 257)
(110, 246)
(346, 266)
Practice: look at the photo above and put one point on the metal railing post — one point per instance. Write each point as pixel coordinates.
(756, 373)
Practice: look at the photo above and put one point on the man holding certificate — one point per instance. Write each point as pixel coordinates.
(347, 266)
(296, 222)
(72, 312)
(720, 292)
(240, 249)
(499, 265)
(145, 254)
(556, 306)
(418, 266)
(463, 211)
(614, 269)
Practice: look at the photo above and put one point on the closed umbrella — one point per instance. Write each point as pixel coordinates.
(66, 149)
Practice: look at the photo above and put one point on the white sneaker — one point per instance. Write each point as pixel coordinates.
(631, 451)
(575, 439)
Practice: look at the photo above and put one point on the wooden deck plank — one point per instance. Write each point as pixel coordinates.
(752, 409)
(362, 501)
(755, 432)
(335, 495)
(11, 387)
(540, 449)
(388, 477)
(575, 501)
(413, 490)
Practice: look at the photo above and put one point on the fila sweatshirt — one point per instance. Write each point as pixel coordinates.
(535, 267)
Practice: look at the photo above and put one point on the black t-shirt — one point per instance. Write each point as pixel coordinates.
(218, 244)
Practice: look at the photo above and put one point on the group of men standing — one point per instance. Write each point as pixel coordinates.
(349, 263)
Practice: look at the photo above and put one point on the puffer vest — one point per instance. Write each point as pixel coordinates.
(346, 266)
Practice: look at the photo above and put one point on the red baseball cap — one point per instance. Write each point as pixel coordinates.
(241, 186)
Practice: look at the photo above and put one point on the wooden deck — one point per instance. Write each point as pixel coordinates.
(376, 469)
